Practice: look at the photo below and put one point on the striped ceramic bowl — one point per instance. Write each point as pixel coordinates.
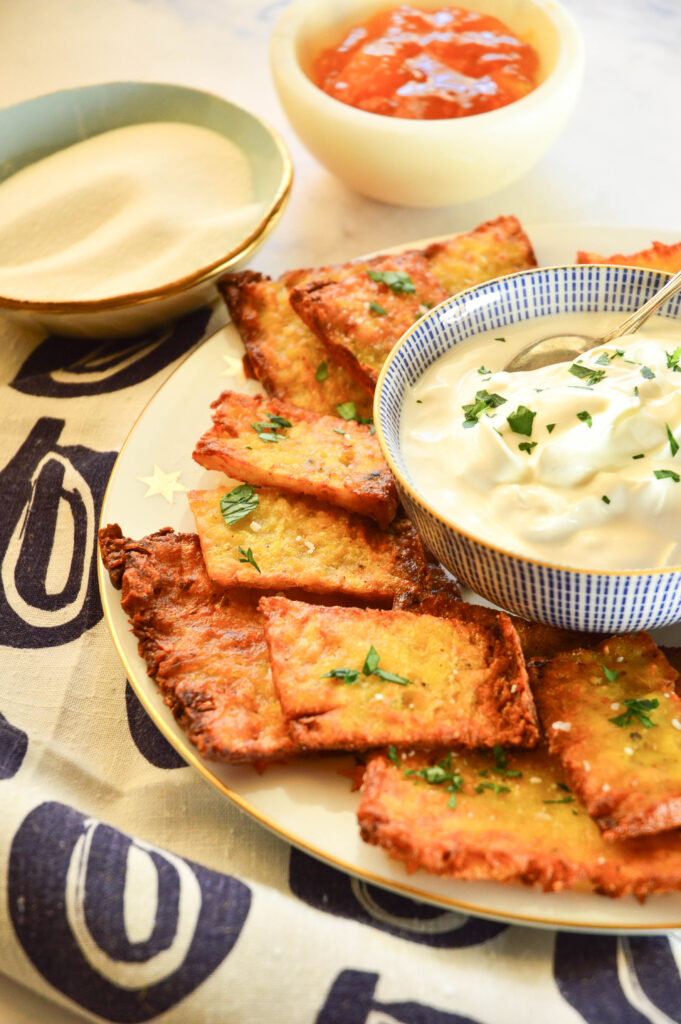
(597, 601)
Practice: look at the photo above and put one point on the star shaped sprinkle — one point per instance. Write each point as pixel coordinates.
(234, 368)
(162, 483)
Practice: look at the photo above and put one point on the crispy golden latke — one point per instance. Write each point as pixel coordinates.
(204, 645)
(658, 257)
(613, 718)
(299, 542)
(359, 318)
(442, 597)
(492, 249)
(352, 678)
(286, 357)
(504, 826)
(329, 458)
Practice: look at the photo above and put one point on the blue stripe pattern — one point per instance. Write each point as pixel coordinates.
(596, 602)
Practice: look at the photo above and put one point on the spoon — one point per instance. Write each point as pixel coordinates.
(566, 347)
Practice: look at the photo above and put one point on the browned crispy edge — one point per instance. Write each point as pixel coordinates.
(506, 228)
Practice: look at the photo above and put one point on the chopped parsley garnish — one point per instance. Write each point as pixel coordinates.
(673, 359)
(348, 411)
(237, 503)
(496, 788)
(587, 373)
(440, 774)
(322, 372)
(248, 557)
(392, 754)
(527, 446)
(268, 431)
(520, 421)
(604, 359)
(585, 417)
(636, 710)
(484, 402)
(484, 370)
(610, 674)
(371, 661)
(667, 474)
(605, 498)
(396, 280)
(501, 764)
(550, 427)
(639, 456)
(501, 339)
(369, 668)
(647, 373)
(376, 308)
(337, 430)
(561, 800)
(348, 675)
(673, 443)
(636, 392)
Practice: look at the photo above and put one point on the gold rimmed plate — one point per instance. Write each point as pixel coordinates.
(309, 802)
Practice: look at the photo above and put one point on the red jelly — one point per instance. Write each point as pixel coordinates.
(428, 64)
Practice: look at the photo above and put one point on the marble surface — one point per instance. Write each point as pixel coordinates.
(615, 164)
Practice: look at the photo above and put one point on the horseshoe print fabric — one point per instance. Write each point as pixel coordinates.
(133, 891)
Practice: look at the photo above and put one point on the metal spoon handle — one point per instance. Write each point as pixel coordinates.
(633, 322)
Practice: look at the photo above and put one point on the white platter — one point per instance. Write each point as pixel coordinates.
(309, 802)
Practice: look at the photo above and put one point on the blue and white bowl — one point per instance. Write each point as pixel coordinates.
(596, 601)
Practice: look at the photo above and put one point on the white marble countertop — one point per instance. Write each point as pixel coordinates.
(616, 163)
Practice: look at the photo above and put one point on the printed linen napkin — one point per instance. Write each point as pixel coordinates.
(133, 890)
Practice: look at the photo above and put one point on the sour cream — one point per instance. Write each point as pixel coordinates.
(129, 210)
(577, 464)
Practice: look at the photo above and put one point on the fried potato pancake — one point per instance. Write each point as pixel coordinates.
(442, 597)
(204, 646)
(299, 542)
(286, 357)
(505, 818)
(359, 318)
(612, 716)
(658, 257)
(331, 459)
(492, 249)
(352, 678)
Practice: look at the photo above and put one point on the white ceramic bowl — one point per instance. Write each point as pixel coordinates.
(426, 163)
(39, 127)
(597, 601)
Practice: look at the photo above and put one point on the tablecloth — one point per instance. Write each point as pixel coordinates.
(132, 890)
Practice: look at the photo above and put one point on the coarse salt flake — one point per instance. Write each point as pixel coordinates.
(676, 723)
(605, 787)
(562, 726)
(615, 706)
(587, 766)
(309, 545)
(535, 778)
(629, 751)
(256, 527)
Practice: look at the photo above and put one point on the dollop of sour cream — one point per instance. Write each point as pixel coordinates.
(128, 210)
(577, 464)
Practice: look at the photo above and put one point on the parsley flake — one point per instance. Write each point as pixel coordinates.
(501, 339)
(248, 557)
(376, 308)
(441, 774)
(267, 431)
(673, 359)
(484, 402)
(496, 788)
(647, 373)
(520, 421)
(322, 372)
(610, 674)
(371, 661)
(639, 456)
(667, 474)
(396, 280)
(673, 443)
(527, 446)
(483, 370)
(393, 755)
(237, 503)
(587, 373)
(348, 675)
(585, 417)
(348, 411)
(561, 800)
(550, 427)
(605, 498)
(636, 709)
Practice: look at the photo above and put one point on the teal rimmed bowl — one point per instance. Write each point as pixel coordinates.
(572, 598)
